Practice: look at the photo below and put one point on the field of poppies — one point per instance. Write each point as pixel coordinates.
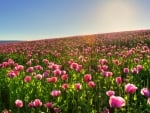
(106, 73)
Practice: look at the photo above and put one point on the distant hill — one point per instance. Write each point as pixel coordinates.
(8, 41)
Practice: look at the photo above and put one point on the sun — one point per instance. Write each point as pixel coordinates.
(118, 15)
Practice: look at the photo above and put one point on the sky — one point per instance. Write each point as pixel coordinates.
(43, 19)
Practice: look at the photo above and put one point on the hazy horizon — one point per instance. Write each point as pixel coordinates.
(38, 19)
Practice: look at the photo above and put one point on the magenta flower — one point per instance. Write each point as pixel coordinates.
(55, 93)
(37, 103)
(38, 67)
(57, 72)
(103, 61)
(38, 76)
(91, 84)
(45, 61)
(5, 111)
(118, 80)
(46, 74)
(30, 105)
(27, 79)
(126, 70)
(52, 79)
(73, 65)
(76, 66)
(87, 77)
(12, 73)
(139, 67)
(135, 71)
(145, 92)
(30, 69)
(49, 105)
(19, 68)
(110, 93)
(106, 110)
(107, 74)
(104, 67)
(65, 86)
(130, 88)
(19, 103)
(78, 69)
(78, 86)
(116, 102)
(64, 77)
(56, 110)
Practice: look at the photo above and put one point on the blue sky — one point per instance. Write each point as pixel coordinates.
(41, 19)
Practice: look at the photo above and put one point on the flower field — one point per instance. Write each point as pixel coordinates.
(106, 73)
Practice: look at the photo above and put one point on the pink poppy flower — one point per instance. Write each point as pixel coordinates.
(118, 80)
(49, 105)
(65, 86)
(103, 61)
(139, 67)
(145, 92)
(52, 79)
(19, 68)
(64, 77)
(37, 103)
(91, 84)
(57, 72)
(110, 93)
(116, 102)
(38, 76)
(27, 79)
(126, 70)
(30, 69)
(87, 77)
(56, 110)
(130, 88)
(19, 103)
(55, 93)
(78, 86)
(30, 105)
(135, 71)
